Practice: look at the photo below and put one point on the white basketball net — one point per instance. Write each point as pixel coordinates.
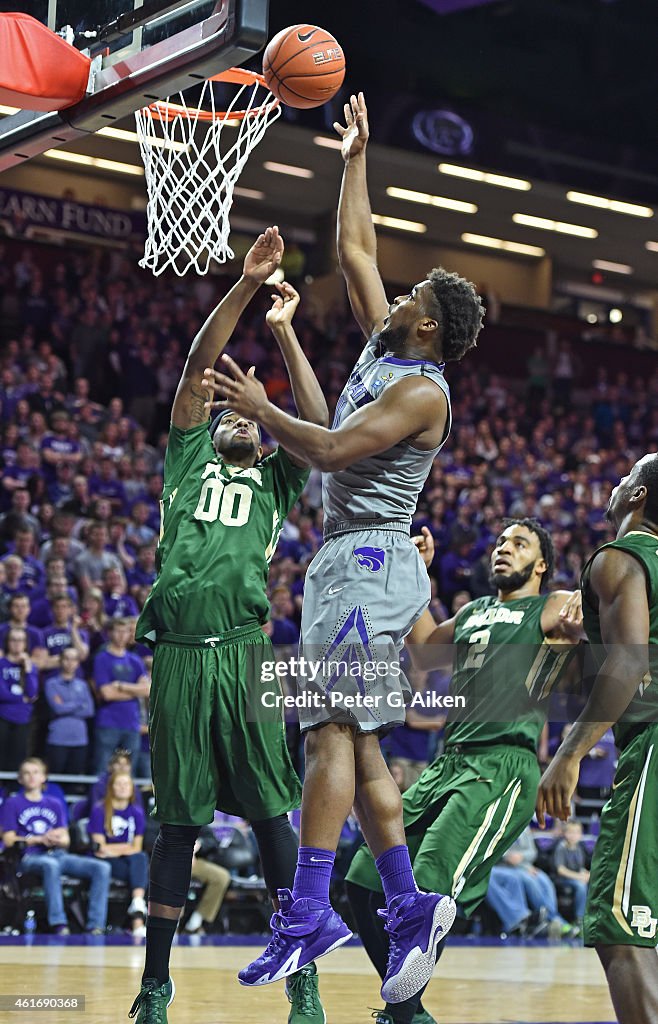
(192, 159)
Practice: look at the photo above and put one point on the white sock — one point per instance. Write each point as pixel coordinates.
(194, 922)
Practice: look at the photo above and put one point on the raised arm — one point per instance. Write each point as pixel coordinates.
(356, 239)
(619, 583)
(427, 635)
(260, 262)
(413, 407)
(306, 391)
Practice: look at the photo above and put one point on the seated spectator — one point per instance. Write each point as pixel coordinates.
(64, 632)
(214, 877)
(120, 762)
(116, 826)
(506, 897)
(121, 679)
(71, 704)
(37, 822)
(539, 889)
(569, 863)
(19, 686)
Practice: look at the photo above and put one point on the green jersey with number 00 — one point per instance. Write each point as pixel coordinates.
(219, 528)
(643, 709)
(504, 668)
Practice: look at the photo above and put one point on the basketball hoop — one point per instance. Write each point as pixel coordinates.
(192, 164)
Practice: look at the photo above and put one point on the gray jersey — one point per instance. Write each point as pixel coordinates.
(384, 486)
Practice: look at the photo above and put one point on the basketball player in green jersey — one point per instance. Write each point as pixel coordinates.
(469, 805)
(223, 508)
(620, 611)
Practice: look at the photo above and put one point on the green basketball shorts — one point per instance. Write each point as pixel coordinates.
(622, 901)
(465, 811)
(208, 748)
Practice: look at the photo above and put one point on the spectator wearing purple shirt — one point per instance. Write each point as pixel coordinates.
(13, 584)
(116, 825)
(34, 574)
(106, 484)
(19, 475)
(19, 613)
(17, 518)
(39, 822)
(71, 704)
(121, 679)
(57, 448)
(143, 573)
(64, 632)
(116, 602)
(19, 685)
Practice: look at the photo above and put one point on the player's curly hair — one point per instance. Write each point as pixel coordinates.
(545, 544)
(459, 312)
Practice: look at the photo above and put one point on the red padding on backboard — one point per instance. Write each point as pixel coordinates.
(38, 69)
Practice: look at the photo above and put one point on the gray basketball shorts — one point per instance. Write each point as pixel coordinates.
(363, 592)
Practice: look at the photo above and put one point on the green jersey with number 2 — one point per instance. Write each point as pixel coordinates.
(504, 668)
(219, 529)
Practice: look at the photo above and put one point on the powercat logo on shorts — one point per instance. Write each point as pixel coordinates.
(371, 559)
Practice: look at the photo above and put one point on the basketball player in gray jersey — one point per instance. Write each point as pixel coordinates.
(366, 587)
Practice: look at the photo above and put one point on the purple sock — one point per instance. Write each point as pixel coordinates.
(396, 873)
(313, 874)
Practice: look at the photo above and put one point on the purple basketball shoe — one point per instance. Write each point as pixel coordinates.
(302, 931)
(415, 925)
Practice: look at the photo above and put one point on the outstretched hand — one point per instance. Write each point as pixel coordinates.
(284, 305)
(243, 393)
(355, 134)
(264, 256)
(425, 545)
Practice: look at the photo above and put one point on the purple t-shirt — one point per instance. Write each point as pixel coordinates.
(58, 638)
(126, 668)
(14, 707)
(32, 817)
(126, 824)
(120, 606)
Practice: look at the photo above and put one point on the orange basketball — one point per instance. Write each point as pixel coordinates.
(304, 66)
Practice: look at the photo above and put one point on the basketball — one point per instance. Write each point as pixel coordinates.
(304, 66)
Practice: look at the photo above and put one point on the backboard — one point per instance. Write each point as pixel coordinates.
(142, 51)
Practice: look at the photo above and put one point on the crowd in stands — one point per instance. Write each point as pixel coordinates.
(91, 354)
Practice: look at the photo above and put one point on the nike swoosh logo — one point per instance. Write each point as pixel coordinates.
(336, 590)
(306, 36)
(320, 860)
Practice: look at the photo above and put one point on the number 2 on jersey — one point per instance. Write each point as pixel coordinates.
(476, 655)
(230, 503)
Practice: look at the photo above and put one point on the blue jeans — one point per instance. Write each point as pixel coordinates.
(132, 868)
(505, 895)
(540, 892)
(106, 741)
(579, 890)
(52, 865)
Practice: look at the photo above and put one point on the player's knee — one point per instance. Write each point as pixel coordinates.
(327, 742)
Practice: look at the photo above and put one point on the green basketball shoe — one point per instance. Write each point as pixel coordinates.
(304, 997)
(151, 1004)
